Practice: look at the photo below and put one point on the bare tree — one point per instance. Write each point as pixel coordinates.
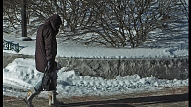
(113, 23)
(24, 18)
(11, 15)
(117, 23)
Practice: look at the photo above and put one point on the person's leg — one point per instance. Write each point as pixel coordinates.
(52, 94)
(38, 86)
(33, 92)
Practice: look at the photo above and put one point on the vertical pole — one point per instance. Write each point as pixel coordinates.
(24, 20)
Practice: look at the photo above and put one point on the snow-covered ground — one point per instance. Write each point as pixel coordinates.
(175, 46)
(21, 74)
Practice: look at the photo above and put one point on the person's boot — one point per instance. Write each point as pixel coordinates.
(52, 98)
(30, 95)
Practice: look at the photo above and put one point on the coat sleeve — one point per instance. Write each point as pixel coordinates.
(48, 44)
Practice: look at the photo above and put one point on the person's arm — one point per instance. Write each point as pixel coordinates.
(48, 49)
(48, 45)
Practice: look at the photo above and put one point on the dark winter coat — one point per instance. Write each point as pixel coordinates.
(46, 44)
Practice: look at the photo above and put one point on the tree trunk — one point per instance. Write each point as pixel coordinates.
(24, 19)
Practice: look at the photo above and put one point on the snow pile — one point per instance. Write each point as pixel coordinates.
(21, 75)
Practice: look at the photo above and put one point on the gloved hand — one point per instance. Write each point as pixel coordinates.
(48, 66)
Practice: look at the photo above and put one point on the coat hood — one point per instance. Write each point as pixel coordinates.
(55, 21)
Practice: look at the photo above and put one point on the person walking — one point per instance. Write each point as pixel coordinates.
(45, 54)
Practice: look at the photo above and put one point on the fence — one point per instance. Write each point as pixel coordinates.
(9, 45)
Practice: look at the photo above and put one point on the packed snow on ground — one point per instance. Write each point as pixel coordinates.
(20, 75)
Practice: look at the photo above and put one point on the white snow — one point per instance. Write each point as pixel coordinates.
(20, 75)
(71, 49)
